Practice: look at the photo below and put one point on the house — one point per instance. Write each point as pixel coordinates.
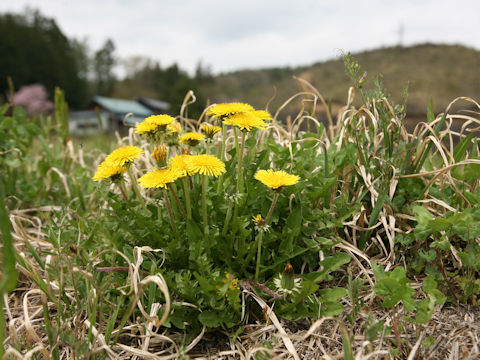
(112, 114)
(88, 122)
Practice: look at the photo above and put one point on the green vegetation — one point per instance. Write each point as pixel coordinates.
(378, 231)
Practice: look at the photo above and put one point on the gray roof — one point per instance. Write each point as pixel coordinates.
(154, 104)
(122, 107)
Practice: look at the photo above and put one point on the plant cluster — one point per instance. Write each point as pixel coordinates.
(249, 227)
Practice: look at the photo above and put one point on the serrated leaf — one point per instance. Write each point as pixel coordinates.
(210, 319)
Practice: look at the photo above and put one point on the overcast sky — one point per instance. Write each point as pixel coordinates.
(231, 35)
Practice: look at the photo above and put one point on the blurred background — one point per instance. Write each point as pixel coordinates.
(113, 57)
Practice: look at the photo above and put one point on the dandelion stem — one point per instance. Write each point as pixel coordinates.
(272, 207)
(177, 200)
(222, 156)
(170, 214)
(228, 217)
(136, 189)
(260, 235)
(121, 186)
(224, 140)
(186, 188)
(240, 161)
(235, 139)
(204, 209)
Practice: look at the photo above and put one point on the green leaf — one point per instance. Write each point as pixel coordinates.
(332, 294)
(6, 123)
(331, 309)
(392, 286)
(373, 330)
(439, 224)
(462, 147)
(441, 244)
(347, 343)
(428, 256)
(205, 285)
(210, 319)
(9, 271)
(193, 231)
(423, 215)
(4, 108)
(329, 264)
(430, 113)
(294, 221)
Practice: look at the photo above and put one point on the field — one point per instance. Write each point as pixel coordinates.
(244, 235)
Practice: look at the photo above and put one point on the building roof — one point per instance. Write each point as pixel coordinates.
(123, 107)
(154, 104)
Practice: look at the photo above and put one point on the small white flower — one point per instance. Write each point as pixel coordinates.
(286, 283)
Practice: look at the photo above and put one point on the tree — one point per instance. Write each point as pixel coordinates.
(104, 61)
(33, 50)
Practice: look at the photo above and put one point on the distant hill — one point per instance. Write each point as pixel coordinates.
(442, 72)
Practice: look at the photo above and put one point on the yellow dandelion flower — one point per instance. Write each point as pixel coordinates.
(205, 165)
(124, 155)
(145, 127)
(108, 171)
(220, 111)
(257, 219)
(245, 121)
(232, 281)
(160, 153)
(276, 179)
(161, 120)
(158, 178)
(179, 163)
(191, 138)
(262, 114)
(174, 128)
(210, 130)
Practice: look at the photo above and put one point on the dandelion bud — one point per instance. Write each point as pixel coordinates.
(160, 153)
(286, 283)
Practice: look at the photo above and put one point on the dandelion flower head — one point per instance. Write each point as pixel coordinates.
(205, 165)
(262, 114)
(179, 163)
(145, 127)
(108, 171)
(210, 130)
(232, 281)
(221, 111)
(174, 128)
(257, 219)
(191, 138)
(124, 155)
(161, 120)
(276, 179)
(246, 121)
(159, 178)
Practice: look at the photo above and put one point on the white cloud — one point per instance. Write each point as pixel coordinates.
(229, 35)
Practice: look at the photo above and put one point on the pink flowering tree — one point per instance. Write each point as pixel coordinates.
(34, 99)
